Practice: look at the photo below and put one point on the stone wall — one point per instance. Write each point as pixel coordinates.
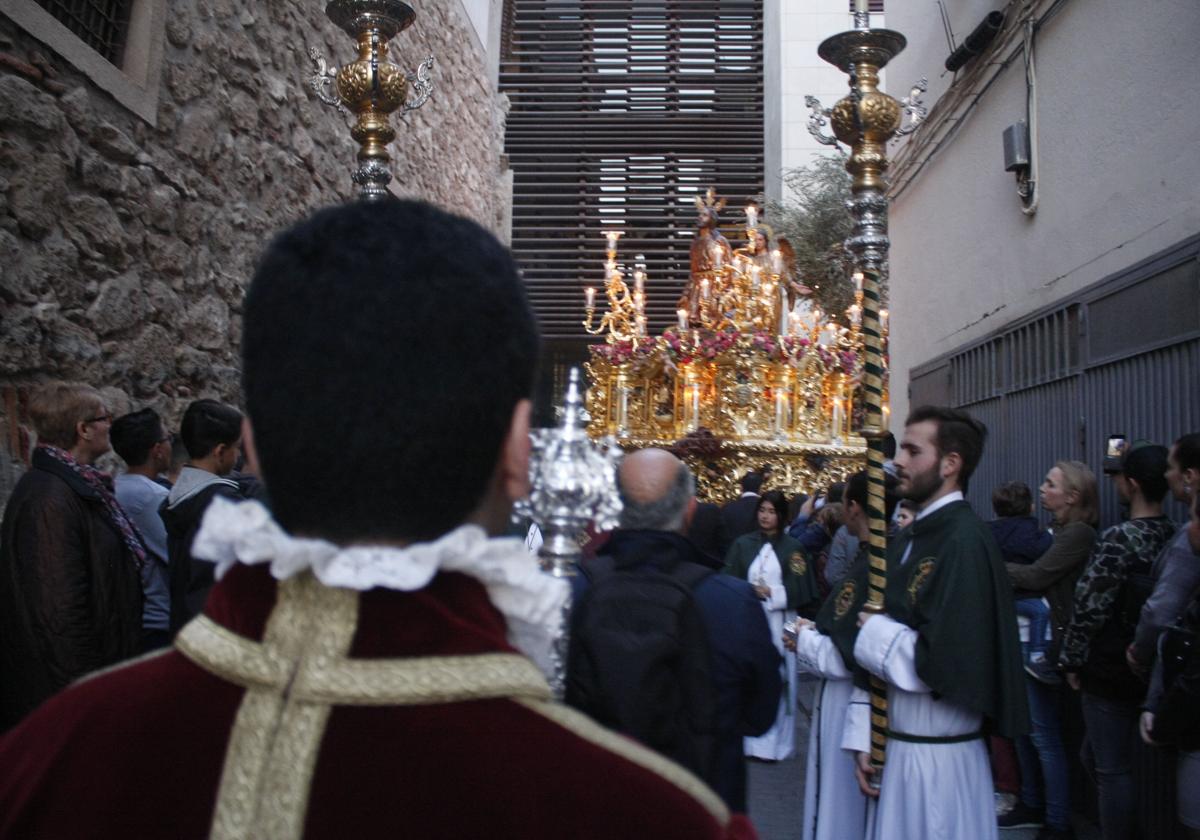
(125, 248)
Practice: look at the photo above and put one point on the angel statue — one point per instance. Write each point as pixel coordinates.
(798, 306)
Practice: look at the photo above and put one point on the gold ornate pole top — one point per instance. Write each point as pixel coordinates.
(371, 87)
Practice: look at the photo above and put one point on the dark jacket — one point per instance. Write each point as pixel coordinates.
(740, 517)
(1176, 723)
(1054, 575)
(70, 593)
(1020, 538)
(746, 665)
(707, 531)
(190, 579)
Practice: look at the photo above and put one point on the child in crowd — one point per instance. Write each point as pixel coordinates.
(1022, 541)
(906, 512)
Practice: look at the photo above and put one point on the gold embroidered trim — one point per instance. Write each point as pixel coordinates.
(799, 563)
(586, 728)
(845, 599)
(923, 570)
(276, 735)
(126, 663)
(293, 678)
(364, 682)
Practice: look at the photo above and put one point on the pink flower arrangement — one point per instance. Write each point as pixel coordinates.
(714, 344)
(847, 359)
(677, 349)
(795, 346)
(621, 352)
(766, 343)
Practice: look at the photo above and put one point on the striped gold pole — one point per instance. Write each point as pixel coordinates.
(865, 121)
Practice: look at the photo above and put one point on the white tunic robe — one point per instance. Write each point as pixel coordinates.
(929, 791)
(834, 807)
(779, 742)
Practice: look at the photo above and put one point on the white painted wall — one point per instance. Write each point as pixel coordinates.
(1120, 173)
(793, 29)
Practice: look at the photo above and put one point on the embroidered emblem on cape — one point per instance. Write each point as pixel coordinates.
(799, 563)
(845, 599)
(924, 570)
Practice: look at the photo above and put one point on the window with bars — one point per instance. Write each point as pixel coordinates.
(875, 7)
(101, 24)
(623, 111)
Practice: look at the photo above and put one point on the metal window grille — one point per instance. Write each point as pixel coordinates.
(876, 7)
(622, 112)
(101, 24)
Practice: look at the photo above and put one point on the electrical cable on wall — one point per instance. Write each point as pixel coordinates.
(1027, 188)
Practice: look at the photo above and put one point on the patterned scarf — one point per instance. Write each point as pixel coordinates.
(102, 483)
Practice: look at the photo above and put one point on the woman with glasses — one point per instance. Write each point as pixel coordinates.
(70, 559)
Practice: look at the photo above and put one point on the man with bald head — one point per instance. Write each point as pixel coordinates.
(663, 646)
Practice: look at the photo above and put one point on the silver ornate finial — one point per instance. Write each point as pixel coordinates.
(817, 120)
(914, 107)
(574, 482)
(422, 87)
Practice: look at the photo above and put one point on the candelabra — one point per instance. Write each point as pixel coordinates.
(625, 319)
(371, 87)
(865, 121)
(573, 482)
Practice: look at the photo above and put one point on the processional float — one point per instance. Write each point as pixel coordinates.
(747, 377)
(866, 120)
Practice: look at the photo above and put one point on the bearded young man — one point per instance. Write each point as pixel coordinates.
(946, 645)
(370, 663)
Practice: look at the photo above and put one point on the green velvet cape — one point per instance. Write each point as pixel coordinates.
(799, 578)
(838, 616)
(954, 591)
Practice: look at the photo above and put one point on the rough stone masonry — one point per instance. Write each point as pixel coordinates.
(125, 248)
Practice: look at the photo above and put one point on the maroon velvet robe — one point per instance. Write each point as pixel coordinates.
(138, 751)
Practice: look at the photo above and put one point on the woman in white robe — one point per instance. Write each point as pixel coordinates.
(777, 567)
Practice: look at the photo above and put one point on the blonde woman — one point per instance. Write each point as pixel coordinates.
(1070, 496)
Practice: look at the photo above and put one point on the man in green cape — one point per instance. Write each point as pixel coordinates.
(946, 645)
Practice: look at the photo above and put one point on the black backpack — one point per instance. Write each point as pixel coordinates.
(640, 661)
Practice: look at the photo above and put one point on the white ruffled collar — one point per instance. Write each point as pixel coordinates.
(530, 600)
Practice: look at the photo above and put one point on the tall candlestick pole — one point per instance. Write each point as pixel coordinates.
(865, 121)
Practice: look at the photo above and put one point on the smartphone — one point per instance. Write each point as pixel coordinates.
(1115, 447)
(1114, 450)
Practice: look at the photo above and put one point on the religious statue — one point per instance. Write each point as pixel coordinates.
(710, 251)
(798, 303)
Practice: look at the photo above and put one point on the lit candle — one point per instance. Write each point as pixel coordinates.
(639, 280)
(696, 337)
(718, 256)
(776, 262)
(682, 315)
(589, 295)
(613, 236)
(641, 324)
(639, 300)
(780, 407)
(855, 313)
(704, 288)
(751, 216)
(858, 281)
(696, 404)
(837, 418)
(883, 319)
